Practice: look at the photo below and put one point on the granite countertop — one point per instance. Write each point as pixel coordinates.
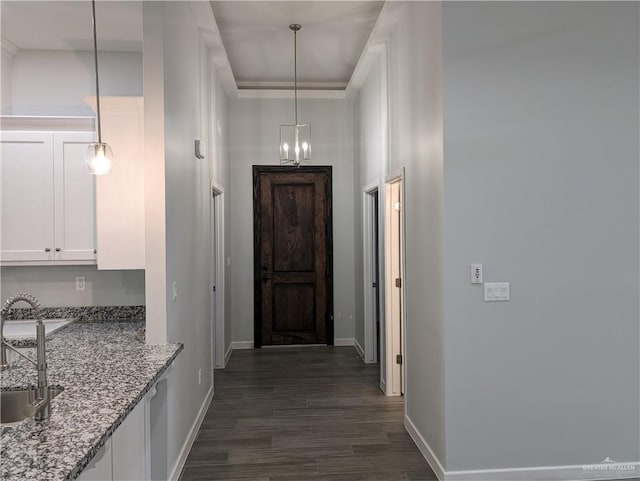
(105, 369)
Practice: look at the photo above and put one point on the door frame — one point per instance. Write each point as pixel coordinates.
(370, 334)
(257, 272)
(219, 359)
(395, 377)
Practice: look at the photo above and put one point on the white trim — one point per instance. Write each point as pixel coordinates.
(186, 447)
(227, 355)
(543, 473)
(383, 386)
(538, 473)
(288, 94)
(358, 347)
(8, 46)
(48, 123)
(344, 341)
(241, 345)
(287, 85)
(424, 448)
(206, 21)
(218, 277)
(370, 334)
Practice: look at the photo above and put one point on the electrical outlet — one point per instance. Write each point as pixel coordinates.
(175, 291)
(199, 376)
(80, 283)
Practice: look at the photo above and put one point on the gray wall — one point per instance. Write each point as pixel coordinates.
(55, 286)
(69, 78)
(254, 139)
(541, 186)
(414, 123)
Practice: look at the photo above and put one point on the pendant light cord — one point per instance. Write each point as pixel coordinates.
(95, 57)
(295, 72)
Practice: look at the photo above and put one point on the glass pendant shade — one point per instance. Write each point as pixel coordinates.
(295, 143)
(99, 158)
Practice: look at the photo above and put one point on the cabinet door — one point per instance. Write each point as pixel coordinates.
(26, 222)
(75, 198)
(129, 453)
(100, 467)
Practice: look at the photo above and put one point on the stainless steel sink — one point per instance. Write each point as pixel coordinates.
(13, 403)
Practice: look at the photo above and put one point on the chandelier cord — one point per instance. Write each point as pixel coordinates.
(95, 58)
(295, 72)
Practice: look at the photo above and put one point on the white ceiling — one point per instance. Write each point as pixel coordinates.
(259, 43)
(66, 25)
(255, 34)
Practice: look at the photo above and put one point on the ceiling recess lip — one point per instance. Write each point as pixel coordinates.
(257, 41)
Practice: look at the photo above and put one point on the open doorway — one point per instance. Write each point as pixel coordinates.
(373, 254)
(217, 277)
(394, 288)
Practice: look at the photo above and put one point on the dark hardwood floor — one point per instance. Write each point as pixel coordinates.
(313, 413)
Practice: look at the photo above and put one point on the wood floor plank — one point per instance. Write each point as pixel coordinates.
(298, 414)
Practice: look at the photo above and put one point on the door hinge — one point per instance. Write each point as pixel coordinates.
(398, 358)
(373, 285)
(214, 288)
(398, 282)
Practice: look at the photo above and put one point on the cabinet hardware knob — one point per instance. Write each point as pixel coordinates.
(47, 249)
(57, 249)
(95, 251)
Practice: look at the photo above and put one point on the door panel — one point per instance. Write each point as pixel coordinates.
(293, 255)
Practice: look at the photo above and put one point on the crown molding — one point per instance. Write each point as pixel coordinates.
(288, 94)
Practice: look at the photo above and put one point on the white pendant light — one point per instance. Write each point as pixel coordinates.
(99, 155)
(295, 140)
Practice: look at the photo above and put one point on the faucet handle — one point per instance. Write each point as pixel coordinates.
(35, 407)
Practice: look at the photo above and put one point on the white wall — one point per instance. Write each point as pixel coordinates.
(370, 132)
(6, 67)
(54, 286)
(179, 82)
(47, 82)
(254, 140)
(541, 186)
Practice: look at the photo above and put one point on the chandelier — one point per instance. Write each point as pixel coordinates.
(295, 139)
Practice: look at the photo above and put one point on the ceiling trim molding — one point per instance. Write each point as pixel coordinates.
(286, 85)
(376, 44)
(288, 94)
(8, 46)
(203, 14)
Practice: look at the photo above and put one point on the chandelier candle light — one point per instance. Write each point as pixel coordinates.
(99, 155)
(295, 140)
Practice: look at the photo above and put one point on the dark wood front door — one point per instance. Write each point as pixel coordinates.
(293, 275)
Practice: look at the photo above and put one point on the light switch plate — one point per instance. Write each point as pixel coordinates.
(476, 273)
(496, 292)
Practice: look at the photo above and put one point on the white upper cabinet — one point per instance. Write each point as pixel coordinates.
(26, 172)
(48, 198)
(75, 197)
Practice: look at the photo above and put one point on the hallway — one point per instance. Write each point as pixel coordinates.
(291, 414)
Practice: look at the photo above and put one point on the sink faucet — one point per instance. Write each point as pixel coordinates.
(40, 408)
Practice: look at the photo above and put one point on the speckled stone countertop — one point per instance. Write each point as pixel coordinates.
(105, 369)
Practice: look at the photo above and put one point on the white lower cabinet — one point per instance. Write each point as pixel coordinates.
(123, 457)
(100, 467)
(127, 454)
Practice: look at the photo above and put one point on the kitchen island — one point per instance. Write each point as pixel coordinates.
(105, 369)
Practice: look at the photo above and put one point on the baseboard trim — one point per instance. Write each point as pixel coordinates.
(358, 347)
(186, 447)
(343, 341)
(592, 472)
(425, 449)
(609, 470)
(227, 355)
(383, 386)
(241, 345)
